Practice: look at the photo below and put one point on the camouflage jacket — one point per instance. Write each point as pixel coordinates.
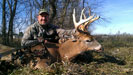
(50, 32)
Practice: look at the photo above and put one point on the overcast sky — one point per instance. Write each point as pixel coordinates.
(120, 13)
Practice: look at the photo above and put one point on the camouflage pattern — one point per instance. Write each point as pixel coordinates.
(51, 33)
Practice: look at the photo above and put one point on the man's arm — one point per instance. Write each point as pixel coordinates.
(64, 35)
(28, 37)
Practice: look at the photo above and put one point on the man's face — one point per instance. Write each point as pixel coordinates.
(43, 18)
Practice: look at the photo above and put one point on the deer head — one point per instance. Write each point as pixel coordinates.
(82, 40)
(82, 30)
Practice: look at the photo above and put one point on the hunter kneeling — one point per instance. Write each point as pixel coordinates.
(42, 31)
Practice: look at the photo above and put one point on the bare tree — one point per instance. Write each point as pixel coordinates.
(4, 22)
(12, 8)
(52, 4)
(64, 11)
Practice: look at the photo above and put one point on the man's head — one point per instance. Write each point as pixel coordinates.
(43, 17)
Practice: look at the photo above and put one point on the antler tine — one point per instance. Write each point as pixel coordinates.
(92, 20)
(81, 21)
(81, 16)
(89, 18)
(84, 16)
(74, 19)
(84, 22)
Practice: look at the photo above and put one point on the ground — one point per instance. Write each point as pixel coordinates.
(117, 59)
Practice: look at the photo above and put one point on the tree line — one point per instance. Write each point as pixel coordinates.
(18, 14)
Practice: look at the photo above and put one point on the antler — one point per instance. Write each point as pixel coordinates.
(82, 24)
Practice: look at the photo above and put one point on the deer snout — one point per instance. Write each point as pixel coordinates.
(100, 49)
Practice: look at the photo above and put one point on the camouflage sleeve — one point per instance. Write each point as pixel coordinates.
(28, 37)
(62, 33)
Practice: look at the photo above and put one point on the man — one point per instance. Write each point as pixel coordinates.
(43, 30)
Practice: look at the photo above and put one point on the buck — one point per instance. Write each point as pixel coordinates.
(82, 41)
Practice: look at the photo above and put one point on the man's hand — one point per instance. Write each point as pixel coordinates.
(40, 39)
(62, 40)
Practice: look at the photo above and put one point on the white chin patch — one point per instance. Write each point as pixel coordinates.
(98, 47)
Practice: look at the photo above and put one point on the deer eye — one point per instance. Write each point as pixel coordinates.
(88, 40)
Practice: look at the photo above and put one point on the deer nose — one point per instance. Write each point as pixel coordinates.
(100, 50)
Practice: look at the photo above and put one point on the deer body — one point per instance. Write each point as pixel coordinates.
(65, 51)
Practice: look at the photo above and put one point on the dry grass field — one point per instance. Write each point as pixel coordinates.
(117, 59)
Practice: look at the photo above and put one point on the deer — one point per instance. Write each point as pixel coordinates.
(66, 51)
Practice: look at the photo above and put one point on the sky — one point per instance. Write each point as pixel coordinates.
(120, 15)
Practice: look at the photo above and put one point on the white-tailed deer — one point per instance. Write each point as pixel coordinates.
(81, 42)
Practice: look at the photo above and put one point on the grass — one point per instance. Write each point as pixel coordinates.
(117, 59)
